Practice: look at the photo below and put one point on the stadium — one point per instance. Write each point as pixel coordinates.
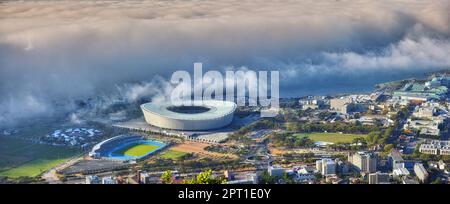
(210, 114)
(125, 147)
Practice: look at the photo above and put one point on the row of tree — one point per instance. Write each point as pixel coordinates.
(353, 128)
(204, 177)
(290, 140)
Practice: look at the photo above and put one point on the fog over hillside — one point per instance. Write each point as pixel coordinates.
(54, 51)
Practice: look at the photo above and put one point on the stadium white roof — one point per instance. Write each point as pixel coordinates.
(217, 109)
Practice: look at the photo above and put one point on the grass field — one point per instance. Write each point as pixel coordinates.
(137, 150)
(331, 137)
(172, 154)
(20, 157)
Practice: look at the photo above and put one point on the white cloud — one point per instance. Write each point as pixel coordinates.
(55, 50)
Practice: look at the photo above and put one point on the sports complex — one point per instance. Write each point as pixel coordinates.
(202, 115)
(125, 147)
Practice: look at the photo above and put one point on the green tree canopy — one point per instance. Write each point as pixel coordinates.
(166, 177)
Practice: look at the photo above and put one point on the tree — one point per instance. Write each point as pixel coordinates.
(166, 177)
(446, 158)
(388, 148)
(373, 137)
(425, 157)
(205, 177)
(266, 178)
(437, 181)
(287, 178)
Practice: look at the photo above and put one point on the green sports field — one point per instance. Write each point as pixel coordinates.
(172, 154)
(136, 150)
(20, 158)
(331, 137)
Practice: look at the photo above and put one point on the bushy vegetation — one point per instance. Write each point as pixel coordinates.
(297, 157)
(234, 149)
(266, 178)
(351, 128)
(240, 135)
(379, 137)
(166, 177)
(289, 140)
(192, 165)
(205, 177)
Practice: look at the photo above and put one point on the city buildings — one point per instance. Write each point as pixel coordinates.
(312, 103)
(435, 147)
(109, 180)
(424, 111)
(342, 168)
(409, 180)
(305, 174)
(420, 172)
(333, 179)
(424, 127)
(399, 172)
(346, 105)
(144, 178)
(441, 165)
(414, 91)
(275, 170)
(93, 179)
(395, 160)
(249, 179)
(364, 162)
(229, 175)
(340, 104)
(437, 81)
(378, 178)
(326, 167)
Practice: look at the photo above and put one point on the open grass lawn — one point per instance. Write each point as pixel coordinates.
(172, 154)
(137, 150)
(20, 157)
(331, 137)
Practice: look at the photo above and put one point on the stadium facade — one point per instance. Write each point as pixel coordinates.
(203, 115)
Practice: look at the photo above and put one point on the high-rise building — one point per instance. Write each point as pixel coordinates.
(342, 168)
(395, 160)
(326, 167)
(365, 162)
(378, 178)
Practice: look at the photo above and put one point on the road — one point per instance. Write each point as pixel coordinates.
(52, 178)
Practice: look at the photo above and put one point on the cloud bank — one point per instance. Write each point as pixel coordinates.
(53, 51)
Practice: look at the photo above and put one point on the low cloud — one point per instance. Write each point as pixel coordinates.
(54, 51)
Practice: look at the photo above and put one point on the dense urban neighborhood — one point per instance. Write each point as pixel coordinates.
(398, 134)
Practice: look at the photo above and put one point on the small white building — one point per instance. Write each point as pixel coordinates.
(109, 180)
(400, 172)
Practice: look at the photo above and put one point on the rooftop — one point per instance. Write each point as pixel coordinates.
(211, 109)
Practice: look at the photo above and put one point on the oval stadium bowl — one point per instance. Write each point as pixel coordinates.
(203, 115)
